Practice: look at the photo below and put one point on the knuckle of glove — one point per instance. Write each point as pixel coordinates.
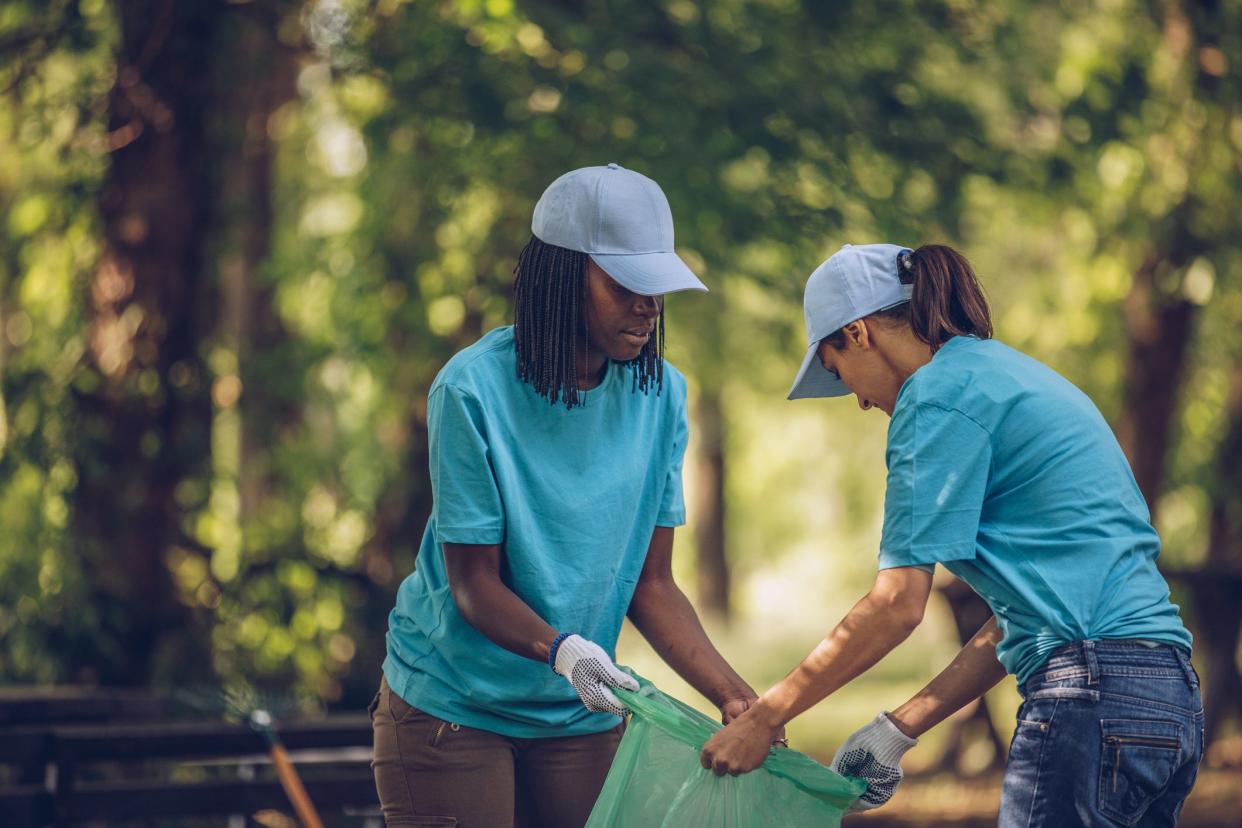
(879, 791)
(591, 680)
(881, 779)
(586, 672)
(596, 698)
(876, 795)
(855, 762)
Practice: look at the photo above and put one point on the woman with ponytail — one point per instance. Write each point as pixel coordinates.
(1007, 475)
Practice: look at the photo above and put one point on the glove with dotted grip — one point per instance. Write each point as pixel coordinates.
(873, 753)
(592, 673)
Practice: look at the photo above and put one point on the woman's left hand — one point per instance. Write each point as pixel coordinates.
(741, 746)
(732, 708)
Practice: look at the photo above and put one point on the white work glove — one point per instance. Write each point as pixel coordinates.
(873, 753)
(592, 673)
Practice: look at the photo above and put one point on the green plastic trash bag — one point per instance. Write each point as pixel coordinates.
(656, 780)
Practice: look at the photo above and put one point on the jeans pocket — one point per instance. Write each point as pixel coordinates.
(1033, 727)
(1138, 759)
(439, 730)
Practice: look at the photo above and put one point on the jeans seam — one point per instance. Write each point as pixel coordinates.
(1080, 693)
(396, 737)
(1039, 766)
(1148, 703)
(410, 713)
(1107, 670)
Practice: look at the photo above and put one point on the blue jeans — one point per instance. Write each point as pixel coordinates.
(1109, 733)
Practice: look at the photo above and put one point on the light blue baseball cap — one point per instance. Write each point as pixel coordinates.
(622, 220)
(854, 282)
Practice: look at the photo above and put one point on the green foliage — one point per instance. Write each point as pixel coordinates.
(55, 74)
(1057, 143)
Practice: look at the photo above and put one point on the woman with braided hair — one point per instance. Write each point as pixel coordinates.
(555, 451)
(1006, 474)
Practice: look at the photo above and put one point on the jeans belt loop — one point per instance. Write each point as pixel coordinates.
(1093, 666)
(1183, 659)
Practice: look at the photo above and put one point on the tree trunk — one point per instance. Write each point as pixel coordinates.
(713, 565)
(143, 401)
(1218, 610)
(1160, 328)
(256, 76)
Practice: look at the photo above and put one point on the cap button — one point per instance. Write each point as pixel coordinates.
(613, 166)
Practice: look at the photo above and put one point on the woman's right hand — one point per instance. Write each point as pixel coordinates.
(873, 753)
(592, 673)
(741, 746)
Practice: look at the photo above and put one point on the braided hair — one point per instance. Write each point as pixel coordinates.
(549, 320)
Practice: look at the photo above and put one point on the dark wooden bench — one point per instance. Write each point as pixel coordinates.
(28, 712)
(66, 704)
(131, 771)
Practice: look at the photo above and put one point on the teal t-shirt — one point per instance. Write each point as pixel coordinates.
(1004, 472)
(573, 495)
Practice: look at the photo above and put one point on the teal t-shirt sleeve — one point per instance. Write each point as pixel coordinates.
(467, 505)
(672, 502)
(938, 465)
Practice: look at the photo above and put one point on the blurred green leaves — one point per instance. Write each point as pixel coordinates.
(1057, 143)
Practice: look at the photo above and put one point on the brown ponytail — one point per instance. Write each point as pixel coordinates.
(946, 300)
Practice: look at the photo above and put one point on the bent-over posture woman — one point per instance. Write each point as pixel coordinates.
(1006, 474)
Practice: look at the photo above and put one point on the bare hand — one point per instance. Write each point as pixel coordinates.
(733, 708)
(740, 747)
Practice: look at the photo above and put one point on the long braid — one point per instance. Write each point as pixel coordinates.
(548, 288)
(573, 323)
(648, 368)
(549, 321)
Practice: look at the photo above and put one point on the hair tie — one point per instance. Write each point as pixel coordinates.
(905, 265)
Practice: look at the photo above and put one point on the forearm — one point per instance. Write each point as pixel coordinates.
(505, 619)
(666, 618)
(973, 672)
(868, 632)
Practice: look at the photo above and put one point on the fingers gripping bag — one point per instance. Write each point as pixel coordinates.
(656, 780)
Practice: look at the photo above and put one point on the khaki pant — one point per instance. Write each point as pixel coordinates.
(430, 772)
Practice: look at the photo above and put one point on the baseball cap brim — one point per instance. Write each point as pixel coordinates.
(814, 380)
(650, 274)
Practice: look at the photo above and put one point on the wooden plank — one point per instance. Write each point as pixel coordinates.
(335, 751)
(47, 704)
(189, 740)
(29, 749)
(27, 805)
(117, 801)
